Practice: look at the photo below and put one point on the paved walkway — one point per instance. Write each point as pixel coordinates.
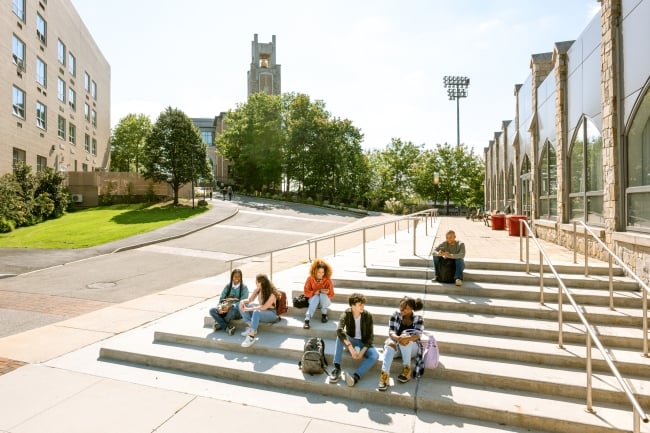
(52, 390)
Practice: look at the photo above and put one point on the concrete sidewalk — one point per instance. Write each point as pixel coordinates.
(65, 389)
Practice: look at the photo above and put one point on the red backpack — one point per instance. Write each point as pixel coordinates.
(281, 304)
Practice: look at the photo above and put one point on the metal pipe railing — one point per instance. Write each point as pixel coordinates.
(591, 335)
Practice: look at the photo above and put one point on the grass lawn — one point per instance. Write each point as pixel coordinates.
(96, 226)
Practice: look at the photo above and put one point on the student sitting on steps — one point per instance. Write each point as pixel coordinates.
(264, 311)
(319, 289)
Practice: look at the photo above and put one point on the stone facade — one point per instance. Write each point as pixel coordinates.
(598, 83)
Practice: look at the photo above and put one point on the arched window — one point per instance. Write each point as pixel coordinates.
(548, 182)
(510, 188)
(638, 172)
(524, 178)
(586, 174)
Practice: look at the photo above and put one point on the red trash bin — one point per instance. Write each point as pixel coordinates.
(498, 221)
(513, 224)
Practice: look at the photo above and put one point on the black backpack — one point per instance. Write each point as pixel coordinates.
(313, 356)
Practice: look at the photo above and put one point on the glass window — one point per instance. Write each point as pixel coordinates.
(93, 89)
(18, 52)
(86, 82)
(72, 64)
(41, 163)
(207, 137)
(61, 127)
(60, 52)
(19, 9)
(19, 157)
(586, 174)
(94, 118)
(87, 111)
(72, 133)
(638, 170)
(72, 98)
(41, 72)
(87, 142)
(94, 150)
(41, 115)
(18, 96)
(548, 182)
(41, 29)
(60, 89)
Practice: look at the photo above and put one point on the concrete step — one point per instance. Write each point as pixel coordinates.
(223, 358)
(595, 268)
(509, 277)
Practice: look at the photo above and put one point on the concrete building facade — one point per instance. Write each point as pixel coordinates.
(55, 87)
(578, 147)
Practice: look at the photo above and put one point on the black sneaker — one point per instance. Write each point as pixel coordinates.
(335, 375)
(306, 325)
(323, 318)
(230, 329)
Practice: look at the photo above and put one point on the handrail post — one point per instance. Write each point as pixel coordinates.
(611, 284)
(395, 230)
(586, 254)
(541, 278)
(645, 323)
(521, 244)
(309, 248)
(575, 243)
(590, 407)
(315, 249)
(560, 320)
(271, 266)
(415, 228)
(527, 256)
(334, 237)
(364, 247)
(384, 226)
(426, 226)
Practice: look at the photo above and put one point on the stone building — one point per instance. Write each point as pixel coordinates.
(54, 87)
(578, 146)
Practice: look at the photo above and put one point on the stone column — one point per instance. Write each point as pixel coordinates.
(560, 66)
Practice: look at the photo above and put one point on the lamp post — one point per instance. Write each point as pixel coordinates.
(436, 181)
(456, 89)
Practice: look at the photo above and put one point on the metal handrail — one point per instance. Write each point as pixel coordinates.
(630, 273)
(415, 217)
(591, 334)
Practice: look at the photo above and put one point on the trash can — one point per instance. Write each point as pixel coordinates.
(513, 224)
(498, 221)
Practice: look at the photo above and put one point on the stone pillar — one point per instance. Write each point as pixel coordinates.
(560, 66)
(515, 143)
(610, 16)
(540, 65)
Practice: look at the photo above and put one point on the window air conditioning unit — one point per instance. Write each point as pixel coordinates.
(77, 198)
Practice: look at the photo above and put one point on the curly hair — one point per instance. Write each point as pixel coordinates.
(356, 298)
(415, 304)
(318, 264)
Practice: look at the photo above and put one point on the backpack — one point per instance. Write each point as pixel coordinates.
(300, 301)
(281, 303)
(313, 356)
(431, 353)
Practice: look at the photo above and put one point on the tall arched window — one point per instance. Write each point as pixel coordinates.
(548, 182)
(510, 188)
(586, 174)
(525, 181)
(638, 171)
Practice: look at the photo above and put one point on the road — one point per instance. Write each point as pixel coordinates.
(45, 296)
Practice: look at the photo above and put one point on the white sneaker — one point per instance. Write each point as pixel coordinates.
(248, 342)
(459, 282)
(246, 332)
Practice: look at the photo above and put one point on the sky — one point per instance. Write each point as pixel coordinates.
(378, 63)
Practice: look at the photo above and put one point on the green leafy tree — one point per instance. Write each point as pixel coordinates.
(174, 152)
(393, 170)
(51, 185)
(253, 139)
(12, 209)
(127, 142)
(461, 175)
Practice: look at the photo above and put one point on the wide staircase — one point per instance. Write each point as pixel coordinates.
(501, 368)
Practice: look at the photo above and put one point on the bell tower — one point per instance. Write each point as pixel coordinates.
(264, 74)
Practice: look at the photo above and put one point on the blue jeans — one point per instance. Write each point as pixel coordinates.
(460, 267)
(406, 351)
(224, 321)
(253, 318)
(321, 299)
(371, 356)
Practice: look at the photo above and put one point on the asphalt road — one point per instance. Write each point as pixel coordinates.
(74, 282)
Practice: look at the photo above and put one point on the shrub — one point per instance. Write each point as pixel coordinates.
(6, 225)
(394, 206)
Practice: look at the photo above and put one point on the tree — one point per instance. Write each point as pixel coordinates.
(461, 174)
(174, 151)
(127, 142)
(253, 139)
(393, 170)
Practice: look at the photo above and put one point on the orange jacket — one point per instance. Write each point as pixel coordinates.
(312, 287)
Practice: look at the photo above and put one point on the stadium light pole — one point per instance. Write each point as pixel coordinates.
(456, 89)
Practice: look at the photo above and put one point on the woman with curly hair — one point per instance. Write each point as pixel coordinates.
(264, 311)
(319, 289)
